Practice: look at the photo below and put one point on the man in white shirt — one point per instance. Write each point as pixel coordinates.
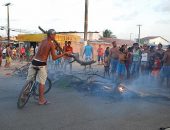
(144, 60)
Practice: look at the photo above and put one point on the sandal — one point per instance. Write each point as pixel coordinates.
(45, 103)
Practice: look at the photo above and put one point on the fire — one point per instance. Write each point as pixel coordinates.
(121, 88)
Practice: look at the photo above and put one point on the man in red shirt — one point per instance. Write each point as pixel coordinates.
(22, 53)
(67, 59)
(100, 53)
(65, 45)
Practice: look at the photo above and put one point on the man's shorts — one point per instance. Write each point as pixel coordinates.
(100, 58)
(41, 75)
(121, 69)
(8, 59)
(144, 63)
(88, 58)
(165, 72)
(114, 63)
(58, 61)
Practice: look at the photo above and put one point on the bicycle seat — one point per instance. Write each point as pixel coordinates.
(36, 68)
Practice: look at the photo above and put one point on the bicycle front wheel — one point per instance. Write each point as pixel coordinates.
(24, 94)
(48, 85)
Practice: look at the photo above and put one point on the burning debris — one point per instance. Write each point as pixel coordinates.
(99, 86)
(121, 88)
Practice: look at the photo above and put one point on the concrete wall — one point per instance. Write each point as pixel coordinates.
(78, 48)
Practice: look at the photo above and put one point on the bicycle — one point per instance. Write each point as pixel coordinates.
(31, 89)
(22, 71)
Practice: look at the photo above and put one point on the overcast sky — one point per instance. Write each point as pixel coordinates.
(120, 16)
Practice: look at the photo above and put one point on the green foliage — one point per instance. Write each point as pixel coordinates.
(107, 33)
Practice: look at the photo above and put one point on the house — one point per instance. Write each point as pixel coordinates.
(119, 42)
(154, 40)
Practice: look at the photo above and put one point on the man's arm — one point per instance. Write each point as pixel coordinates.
(110, 52)
(165, 57)
(8, 52)
(54, 56)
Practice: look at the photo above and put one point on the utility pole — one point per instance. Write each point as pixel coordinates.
(139, 33)
(86, 21)
(8, 26)
(131, 36)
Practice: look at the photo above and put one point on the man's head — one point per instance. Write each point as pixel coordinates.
(87, 43)
(159, 46)
(51, 33)
(122, 50)
(10, 45)
(145, 46)
(69, 43)
(152, 48)
(107, 48)
(114, 43)
(136, 45)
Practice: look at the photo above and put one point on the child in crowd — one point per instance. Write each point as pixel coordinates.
(128, 61)
(156, 66)
(58, 61)
(106, 62)
(106, 66)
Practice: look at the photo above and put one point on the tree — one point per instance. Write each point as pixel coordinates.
(107, 33)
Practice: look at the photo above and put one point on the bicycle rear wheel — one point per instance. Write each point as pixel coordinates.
(48, 85)
(24, 94)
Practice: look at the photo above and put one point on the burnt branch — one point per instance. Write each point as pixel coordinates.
(84, 63)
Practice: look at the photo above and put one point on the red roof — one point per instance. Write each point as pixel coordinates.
(118, 41)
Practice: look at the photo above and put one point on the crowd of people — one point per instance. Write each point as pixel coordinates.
(10, 53)
(124, 63)
(121, 63)
(131, 62)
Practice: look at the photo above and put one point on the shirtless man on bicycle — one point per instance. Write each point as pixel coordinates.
(46, 48)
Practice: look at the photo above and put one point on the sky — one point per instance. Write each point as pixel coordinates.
(119, 16)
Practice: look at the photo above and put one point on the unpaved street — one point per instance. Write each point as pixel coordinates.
(74, 110)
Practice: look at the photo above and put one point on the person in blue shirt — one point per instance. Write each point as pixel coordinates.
(88, 52)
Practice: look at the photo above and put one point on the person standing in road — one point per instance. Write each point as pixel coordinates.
(165, 70)
(67, 59)
(136, 60)
(88, 52)
(8, 55)
(100, 53)
(114, 58)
